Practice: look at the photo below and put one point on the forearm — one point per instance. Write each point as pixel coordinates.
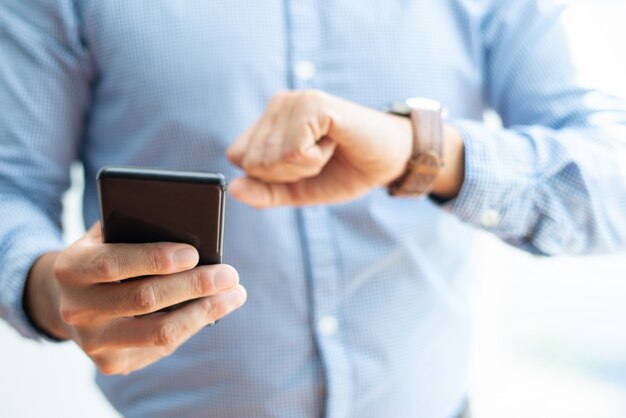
(41, 298)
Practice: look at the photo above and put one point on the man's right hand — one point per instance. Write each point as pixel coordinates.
(81, 294)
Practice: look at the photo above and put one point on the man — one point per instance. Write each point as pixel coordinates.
(355, 297)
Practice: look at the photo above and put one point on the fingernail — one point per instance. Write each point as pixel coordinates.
(225, 278)
(185, 257)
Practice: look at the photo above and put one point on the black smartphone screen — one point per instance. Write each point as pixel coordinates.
(141, 205)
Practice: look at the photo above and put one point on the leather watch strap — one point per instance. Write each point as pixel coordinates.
(426, 160)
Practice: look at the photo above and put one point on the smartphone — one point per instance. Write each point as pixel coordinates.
(143, 205)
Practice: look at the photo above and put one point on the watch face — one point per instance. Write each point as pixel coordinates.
(420, 103)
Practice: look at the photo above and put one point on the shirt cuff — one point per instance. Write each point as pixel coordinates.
(493, 197)
(18, 259)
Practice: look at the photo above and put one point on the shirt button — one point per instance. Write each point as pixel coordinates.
(490, 218)
(305, 70)
(328, 325)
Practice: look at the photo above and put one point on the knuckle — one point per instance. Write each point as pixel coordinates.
(201, 282)
(61, 269)
(90, 346)
(74, 313)
(311, 95)
(214, 309)
(207, 310)
(107, 367)
(166, 334)
(278, 98)
(266, 163)
(255, 166)
(315, 170)
(252, 163)
(291, 154)
(145, 298)
(234, 154)
(106, 265)
(70, 315)
(155, 258)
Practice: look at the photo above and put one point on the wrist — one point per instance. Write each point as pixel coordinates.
(403, 138)
(450, 179)
(41, 298)
(390, 134)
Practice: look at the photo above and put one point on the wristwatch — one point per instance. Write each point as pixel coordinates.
(427, 156)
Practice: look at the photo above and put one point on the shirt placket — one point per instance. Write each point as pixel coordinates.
(324, 272)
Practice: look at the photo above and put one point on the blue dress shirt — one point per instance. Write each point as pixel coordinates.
(354, 310)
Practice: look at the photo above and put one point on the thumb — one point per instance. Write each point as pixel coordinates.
(263, 195)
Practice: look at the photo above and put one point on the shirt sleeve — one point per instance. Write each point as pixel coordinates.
(44, 91)
(553, 180)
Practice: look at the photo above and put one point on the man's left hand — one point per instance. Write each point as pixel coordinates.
(310, 148)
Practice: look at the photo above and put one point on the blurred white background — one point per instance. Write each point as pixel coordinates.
(549, 334)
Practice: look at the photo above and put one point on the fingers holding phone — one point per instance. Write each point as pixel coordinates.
(164, 230)
(117, 322)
